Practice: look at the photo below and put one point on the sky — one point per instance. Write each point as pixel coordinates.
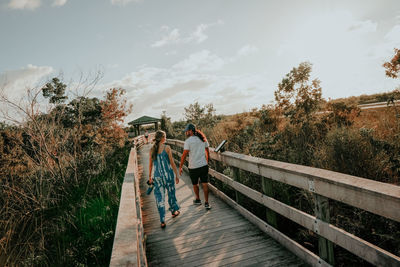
(170, 54)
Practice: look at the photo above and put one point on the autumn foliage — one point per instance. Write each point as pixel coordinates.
(60, 180)
(392, 67)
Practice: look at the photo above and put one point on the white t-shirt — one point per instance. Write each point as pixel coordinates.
(197, 153)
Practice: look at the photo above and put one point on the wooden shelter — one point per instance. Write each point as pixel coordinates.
(144, 120)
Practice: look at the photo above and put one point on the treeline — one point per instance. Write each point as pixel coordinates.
(368, 99)
(302, 128)
(60, 178)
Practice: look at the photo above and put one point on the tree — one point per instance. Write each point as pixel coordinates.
(55, 90)
(393, 70)
(393, 66)
(166, 125)
(296, 95)
(342, 114)
(200, 116)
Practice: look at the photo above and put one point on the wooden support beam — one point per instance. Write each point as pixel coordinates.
(325, 247)
(236, 177)
(269, 191)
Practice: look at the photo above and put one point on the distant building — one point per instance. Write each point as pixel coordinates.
(144, 120)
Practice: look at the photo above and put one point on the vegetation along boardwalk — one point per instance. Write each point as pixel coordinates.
(220, 236)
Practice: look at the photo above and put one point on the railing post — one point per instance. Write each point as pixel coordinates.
(325, 247)
(236, 177)
(269, 191)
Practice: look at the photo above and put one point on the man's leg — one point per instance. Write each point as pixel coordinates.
(196, 190)
(204, 184)
(205, 190)
(194, 177)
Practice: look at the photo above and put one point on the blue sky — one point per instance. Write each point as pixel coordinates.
(168, 54)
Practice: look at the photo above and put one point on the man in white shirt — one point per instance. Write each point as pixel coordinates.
(196, 146)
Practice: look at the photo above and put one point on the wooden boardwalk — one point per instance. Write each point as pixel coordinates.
(197, 237)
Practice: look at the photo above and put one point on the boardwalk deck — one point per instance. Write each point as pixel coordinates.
(197, 237)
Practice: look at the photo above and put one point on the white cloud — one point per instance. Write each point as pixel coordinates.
(32, 4)
(124, 2)
(338, 46)
(393, 35)
(385, 49)
(247, 50)
(112, 66)
(202, 61)
(366, 26)
(153, 90)
(173, 36)
(24, 4)
(171, 53)
(14, 83)
(18, 86)
(59, 2)
(199, 35)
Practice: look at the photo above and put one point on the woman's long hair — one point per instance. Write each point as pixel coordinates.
(200, 135)
(157, 139)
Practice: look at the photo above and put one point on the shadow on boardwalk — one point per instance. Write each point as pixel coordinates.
(197, 237)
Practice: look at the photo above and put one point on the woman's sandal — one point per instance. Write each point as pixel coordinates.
(176, 213)
(163, 225)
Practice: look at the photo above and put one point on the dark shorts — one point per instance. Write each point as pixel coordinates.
(197, 173)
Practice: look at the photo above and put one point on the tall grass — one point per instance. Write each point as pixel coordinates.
(89, 218)
(60, 176)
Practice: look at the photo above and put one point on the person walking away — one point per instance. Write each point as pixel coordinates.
(146, 136)
(196, 146)
(163, 178)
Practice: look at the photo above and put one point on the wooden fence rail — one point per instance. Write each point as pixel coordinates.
(129, 247)
(376, 197)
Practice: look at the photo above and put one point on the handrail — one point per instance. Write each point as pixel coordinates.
(129, 247)
(355, 191)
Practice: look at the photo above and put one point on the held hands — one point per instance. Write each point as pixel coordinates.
(177, 180)
(150, 180)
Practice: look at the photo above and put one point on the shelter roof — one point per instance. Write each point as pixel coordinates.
(144, 120)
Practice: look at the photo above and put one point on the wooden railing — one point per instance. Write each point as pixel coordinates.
(376, 197)
(129, 246)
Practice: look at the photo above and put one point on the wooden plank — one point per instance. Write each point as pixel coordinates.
(196, 214)
(350, 242)
(237, 230)
(215, 255)
(125, 246)
(201, 243)
(212, 250)
(259, 257)
(156, 238)
(355, 191)
(198, 234)
(197, 225)
(291, 245)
